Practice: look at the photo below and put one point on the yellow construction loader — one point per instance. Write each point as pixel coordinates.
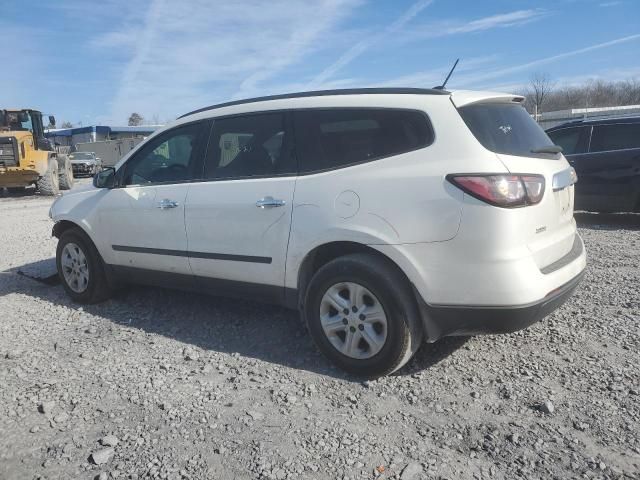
(27, 157)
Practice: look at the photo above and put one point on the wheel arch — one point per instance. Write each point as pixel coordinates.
(62, 226)
(323, 254)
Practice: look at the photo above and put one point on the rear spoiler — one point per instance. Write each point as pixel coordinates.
(461, 98)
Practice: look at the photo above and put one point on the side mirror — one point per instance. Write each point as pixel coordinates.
(105, 178)
(52, 120)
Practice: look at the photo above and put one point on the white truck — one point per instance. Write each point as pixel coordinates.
(110, 151)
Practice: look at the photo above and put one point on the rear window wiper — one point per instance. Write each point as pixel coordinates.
(548, 149)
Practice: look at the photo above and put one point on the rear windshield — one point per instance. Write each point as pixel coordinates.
(81, 156)
(505, 128)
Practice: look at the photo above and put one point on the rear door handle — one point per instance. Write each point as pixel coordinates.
(270, 202)
(166, 203)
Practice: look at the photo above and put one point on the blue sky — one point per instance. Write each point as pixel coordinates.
(94, 62)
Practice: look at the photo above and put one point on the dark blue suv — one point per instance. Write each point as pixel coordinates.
(606, 156)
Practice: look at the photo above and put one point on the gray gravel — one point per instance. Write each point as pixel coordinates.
(160, 384)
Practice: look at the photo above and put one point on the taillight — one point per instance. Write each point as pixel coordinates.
(501, 190)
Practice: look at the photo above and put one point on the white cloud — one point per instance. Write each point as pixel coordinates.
(366, 43)
(184, 56)
(481, 78)
(475, 80)
(610, 4)
(511, 19)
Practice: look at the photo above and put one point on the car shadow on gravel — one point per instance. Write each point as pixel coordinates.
(608, 221)
(265, 332)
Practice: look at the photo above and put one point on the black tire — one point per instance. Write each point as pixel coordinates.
(49, 183)
(393, 291)
(97, 289)
(66, 173)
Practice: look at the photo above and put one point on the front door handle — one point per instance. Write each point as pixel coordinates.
(166, 203)
(270, 202)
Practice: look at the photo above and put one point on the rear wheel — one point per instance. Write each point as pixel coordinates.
(49, 183)
(80, 268)
(66, 173)
(362, 315)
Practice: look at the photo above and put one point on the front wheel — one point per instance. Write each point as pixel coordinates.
(66, 173)
(49, 183)
(362, 315)
(80, 268)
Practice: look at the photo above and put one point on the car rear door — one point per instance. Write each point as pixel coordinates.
(609, 171)
(239, 217)
(144, 217)
(574, 141)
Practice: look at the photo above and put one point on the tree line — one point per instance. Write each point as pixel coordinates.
(544, 95)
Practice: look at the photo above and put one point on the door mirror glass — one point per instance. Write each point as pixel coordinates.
(52, 120)
(105, 179)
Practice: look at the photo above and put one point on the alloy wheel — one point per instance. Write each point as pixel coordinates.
(75, 268)
(353, 320)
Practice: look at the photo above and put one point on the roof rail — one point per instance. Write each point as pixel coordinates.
(324, 93)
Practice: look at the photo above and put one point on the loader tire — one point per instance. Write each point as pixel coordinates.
(49, 183)
(66, 173)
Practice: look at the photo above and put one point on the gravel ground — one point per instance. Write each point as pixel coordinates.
(161, 384)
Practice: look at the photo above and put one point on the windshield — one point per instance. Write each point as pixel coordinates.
(81, 156)
(506, 128)
(19, 120)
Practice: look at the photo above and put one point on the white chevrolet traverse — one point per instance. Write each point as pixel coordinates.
(388, 217)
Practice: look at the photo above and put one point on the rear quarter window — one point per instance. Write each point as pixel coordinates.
(334, 138)
(505, 128)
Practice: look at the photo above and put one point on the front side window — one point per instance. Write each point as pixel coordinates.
(334, 138)
(505, 128)
(19, 120)
(249, 146)
(171, 157)
(615, 137)
(570, 139)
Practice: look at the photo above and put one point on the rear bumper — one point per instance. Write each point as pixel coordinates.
(453, 320)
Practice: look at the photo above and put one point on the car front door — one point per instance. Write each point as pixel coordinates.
(239, 217)
(144, 216)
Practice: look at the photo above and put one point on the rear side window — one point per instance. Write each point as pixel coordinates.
(249, 146)
(334, 138)
(615, 137)
(505, 128)
(570, 139)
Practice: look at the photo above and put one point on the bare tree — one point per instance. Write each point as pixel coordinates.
(66, 125)
(541, 87)
(593, 93)
(135, 119)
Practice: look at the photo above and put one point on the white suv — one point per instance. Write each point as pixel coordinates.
(388, 217)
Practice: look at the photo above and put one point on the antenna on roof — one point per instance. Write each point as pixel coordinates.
(441, 87)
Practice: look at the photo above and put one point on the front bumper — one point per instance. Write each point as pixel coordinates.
(17, 177)
(82, 169)
(456, 320)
